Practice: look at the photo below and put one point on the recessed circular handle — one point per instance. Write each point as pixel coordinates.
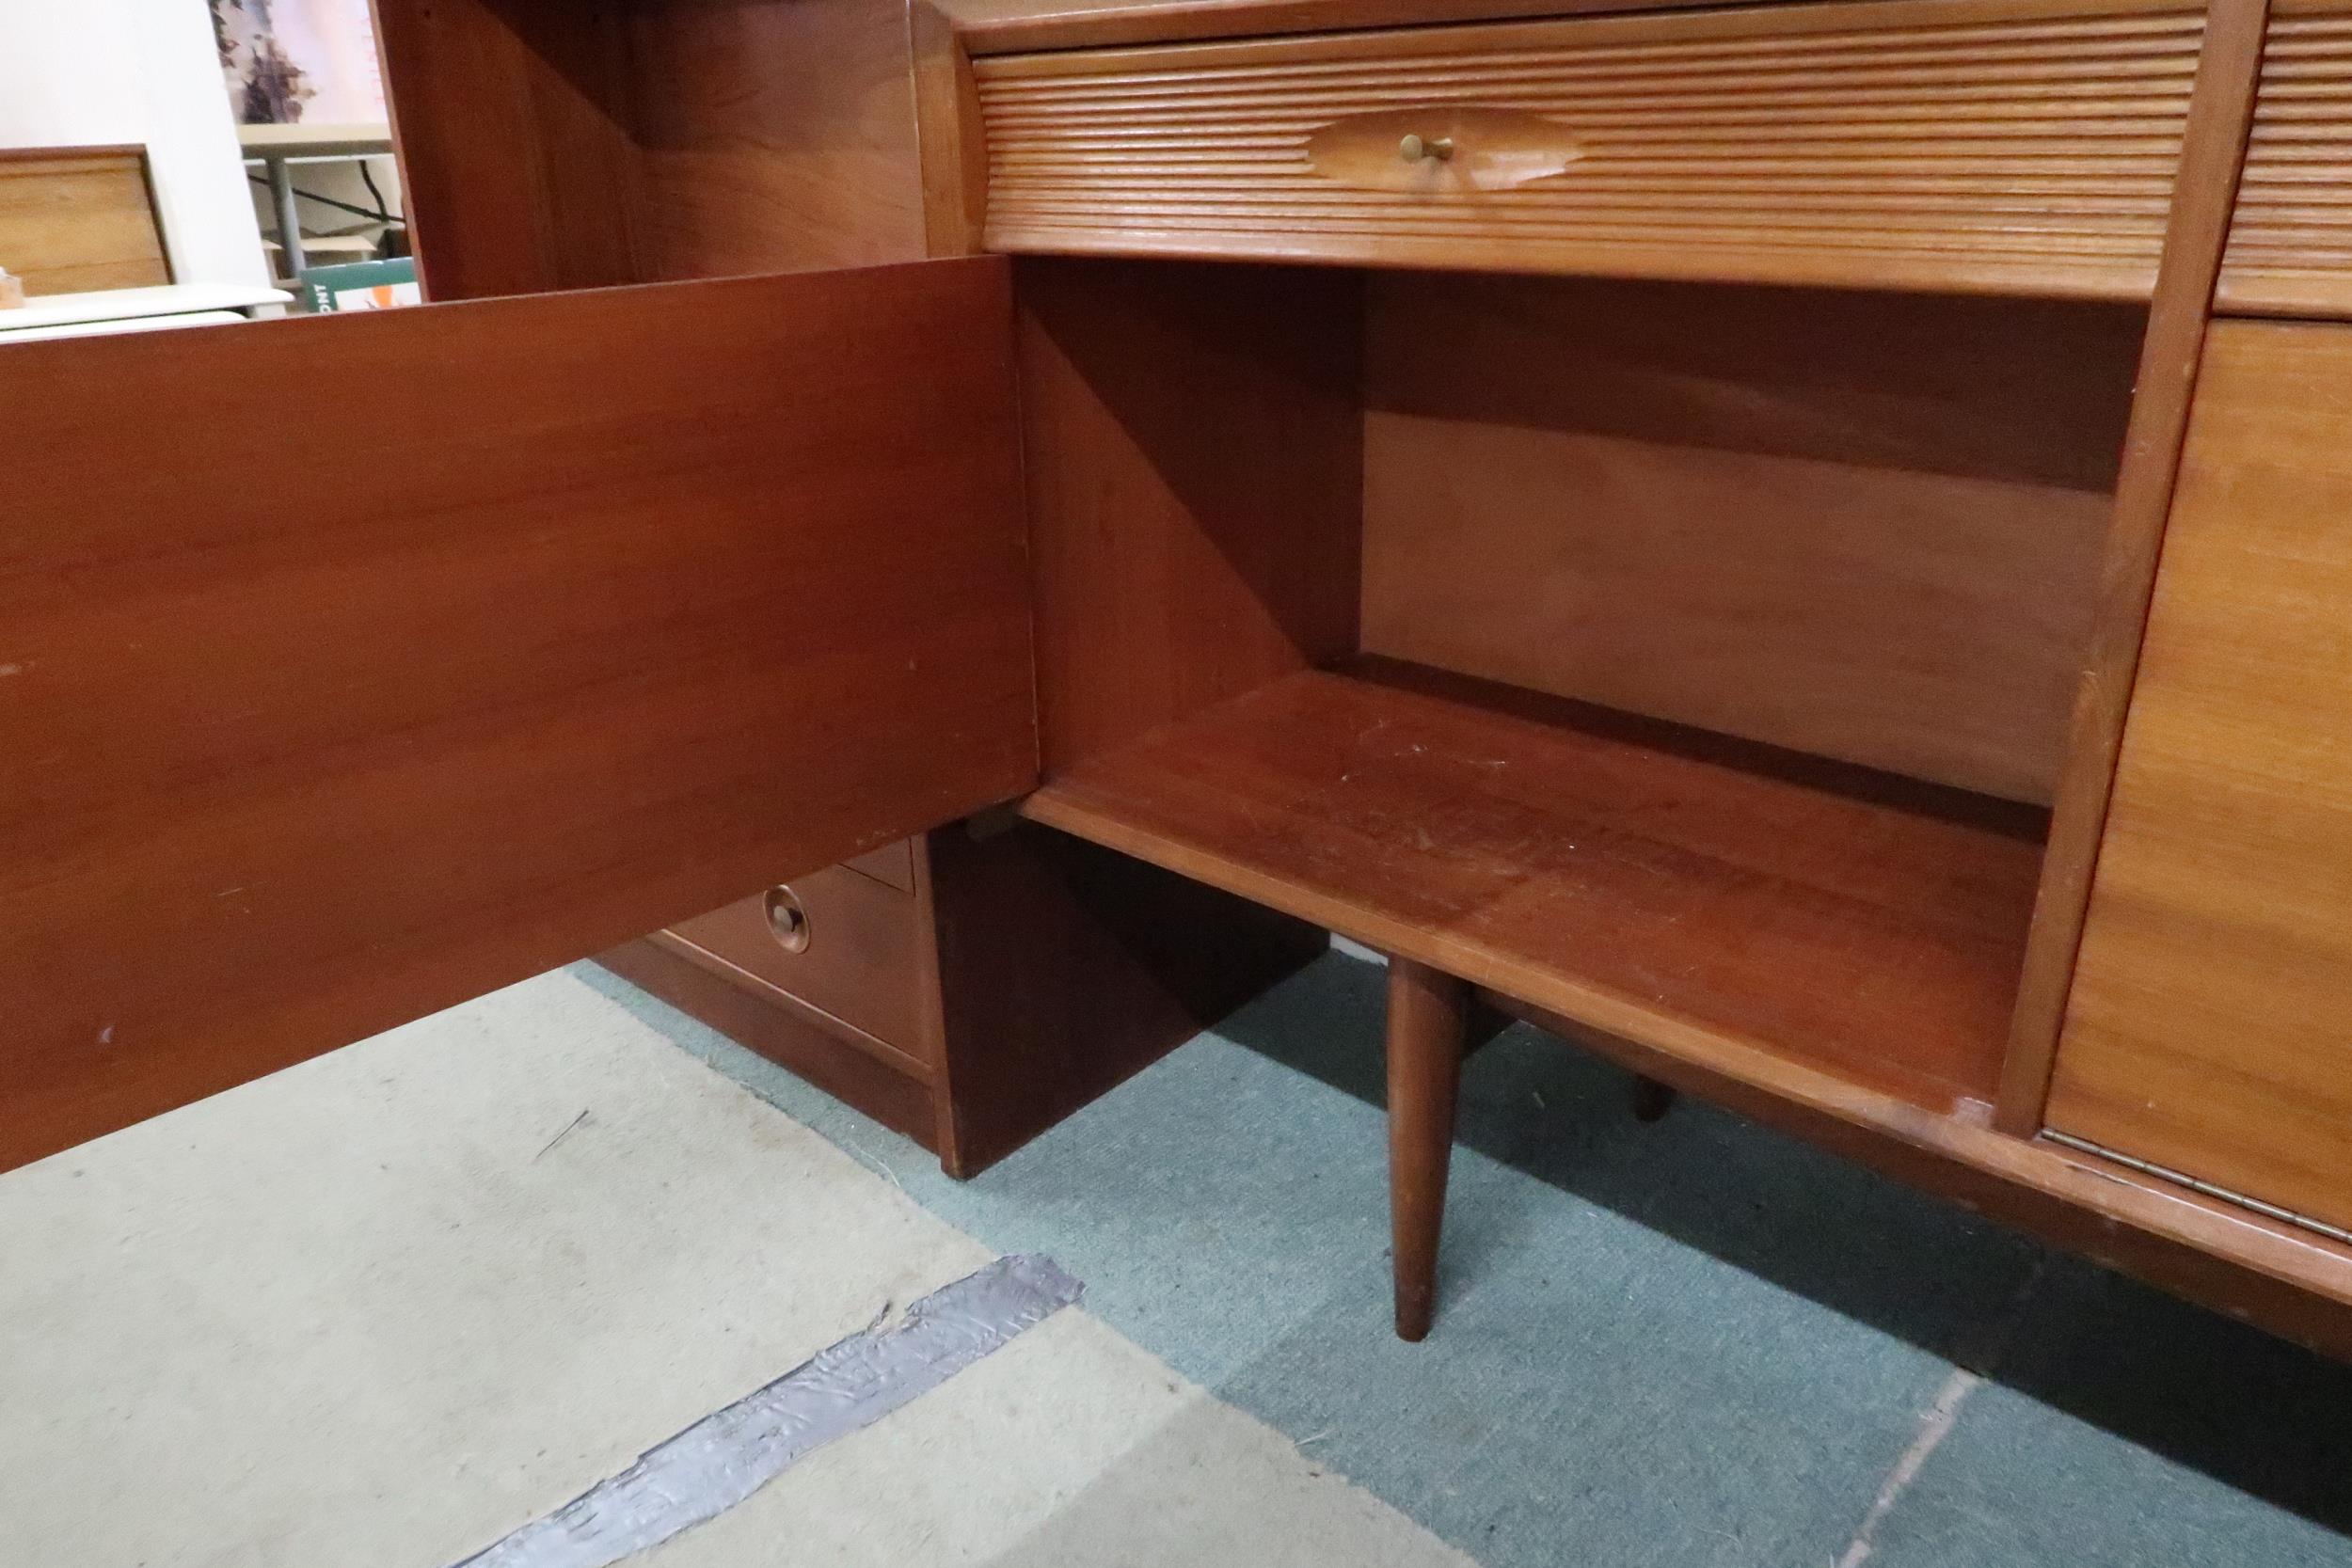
(1413, 149)
(786, 921)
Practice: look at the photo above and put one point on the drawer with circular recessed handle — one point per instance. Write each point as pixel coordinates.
(845, 943)
(1934, 144)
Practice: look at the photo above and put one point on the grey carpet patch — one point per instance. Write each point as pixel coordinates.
(728, 1455)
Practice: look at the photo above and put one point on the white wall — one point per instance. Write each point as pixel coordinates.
(79, 72)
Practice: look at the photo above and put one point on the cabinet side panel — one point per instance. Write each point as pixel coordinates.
(1065, 969)
(554, 145)
(773, 136)
(2209, 1030)
(605, 608)
(1195, 454)
(512, 123)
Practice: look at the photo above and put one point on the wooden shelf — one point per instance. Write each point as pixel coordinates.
(1692, 893)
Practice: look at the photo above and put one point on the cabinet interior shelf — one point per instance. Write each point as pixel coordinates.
(1662, 885)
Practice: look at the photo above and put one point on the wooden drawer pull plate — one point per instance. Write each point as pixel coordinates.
(1443, 149)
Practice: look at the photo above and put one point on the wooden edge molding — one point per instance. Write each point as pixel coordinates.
(1357, 32)
(946, 1138)
(1020, 27)
(73, 151)
(2281, 1276)
(951, 148)
(2221, 118)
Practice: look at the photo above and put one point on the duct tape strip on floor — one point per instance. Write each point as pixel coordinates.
(728, 1455)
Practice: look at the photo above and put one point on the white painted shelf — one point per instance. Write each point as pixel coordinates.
(47, 314)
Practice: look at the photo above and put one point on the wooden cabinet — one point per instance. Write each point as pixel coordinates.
(1673, 562)
(553, 145)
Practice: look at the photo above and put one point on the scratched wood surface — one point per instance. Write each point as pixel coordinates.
(1657, 882)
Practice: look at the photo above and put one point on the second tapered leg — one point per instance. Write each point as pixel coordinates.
(1428, 1013)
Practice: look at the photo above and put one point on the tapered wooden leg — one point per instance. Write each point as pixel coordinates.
(1651, 1099)
(1428, 1013)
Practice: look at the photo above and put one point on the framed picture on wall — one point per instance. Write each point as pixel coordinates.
(299, 61)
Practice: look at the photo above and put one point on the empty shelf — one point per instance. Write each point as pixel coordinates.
(1676, 889)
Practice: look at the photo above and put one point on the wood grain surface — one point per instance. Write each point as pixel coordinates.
(1865, 525)
(2290, 236)
(595, 611)
(859, 966)
(1428, 1016)
(565, 144)
(2006, 146)
(510, 120)
(772, 135)
(1064, 970)
(2209, 1026)
(77, 218)
(1016, 27)
(2168, 362)
(1194, 439)
(1656, 883)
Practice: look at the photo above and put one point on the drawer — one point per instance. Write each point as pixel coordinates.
(853, 950)
(2290, 250)
(893, 862)
(1983, 145)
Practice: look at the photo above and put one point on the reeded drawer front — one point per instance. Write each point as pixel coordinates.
(1917, 143)
(2291, 237)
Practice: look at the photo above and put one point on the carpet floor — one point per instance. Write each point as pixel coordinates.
(1696, 1344)
(389, 1305)
(385, 1307)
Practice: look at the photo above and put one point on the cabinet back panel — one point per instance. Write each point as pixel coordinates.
(1866, 526)
(601, 608)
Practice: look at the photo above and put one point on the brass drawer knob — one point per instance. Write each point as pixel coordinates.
(786, 921)
(1435, 152)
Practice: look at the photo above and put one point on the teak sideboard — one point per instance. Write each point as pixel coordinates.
(1805, 546)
